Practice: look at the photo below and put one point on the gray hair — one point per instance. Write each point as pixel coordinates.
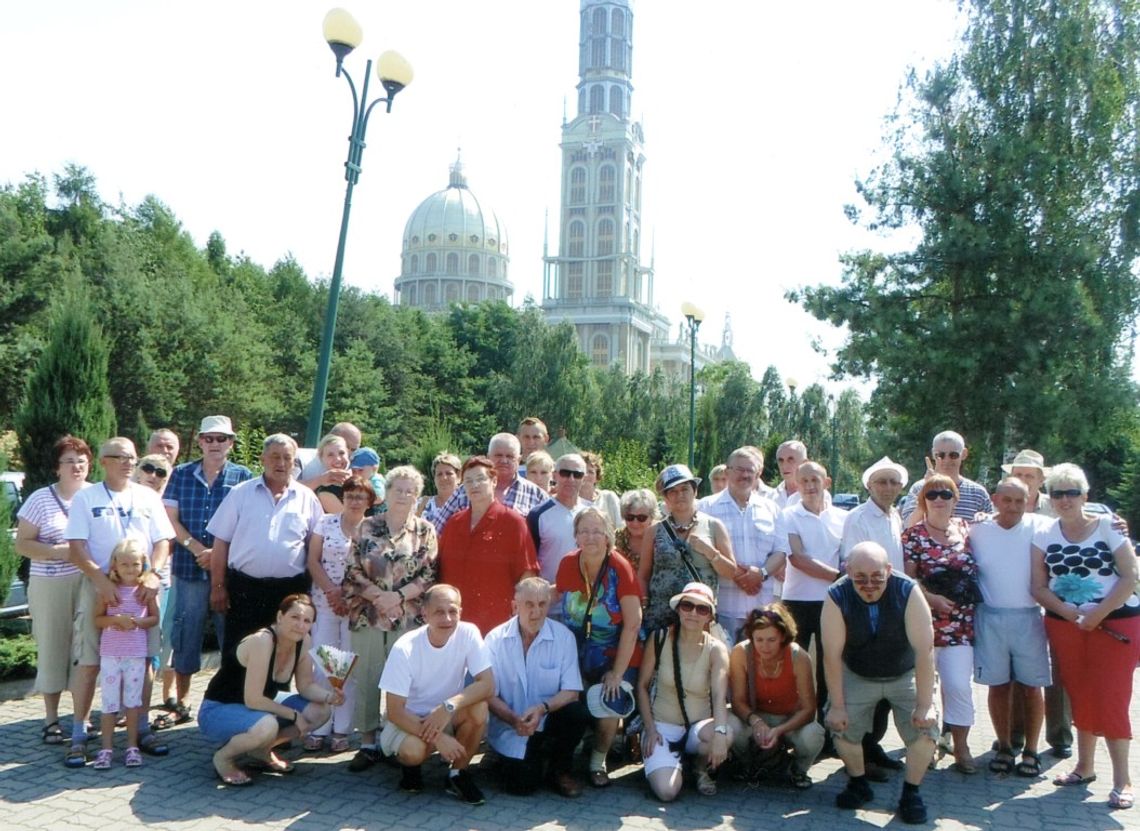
(570, 457)
(406, 472)
(281, 440)
(537, 585)
(793, 444)
(950, 436)
(607, 526)
(640, 497)
(748, 452)
(1067, 474)
(504, 438)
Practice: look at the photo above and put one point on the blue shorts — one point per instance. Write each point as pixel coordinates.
(221, 722)
(1010, 644)
(187, 615)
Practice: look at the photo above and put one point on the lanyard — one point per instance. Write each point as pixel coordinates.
(592, 597)
(124, 517)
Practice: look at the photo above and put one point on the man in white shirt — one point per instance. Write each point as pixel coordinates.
(537, 717)
(752, 523)
(551, 524)
(430, 707)
(789, 456)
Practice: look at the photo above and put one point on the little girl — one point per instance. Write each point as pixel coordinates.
(123, 649)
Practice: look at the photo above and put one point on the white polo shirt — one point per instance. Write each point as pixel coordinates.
(820, 535)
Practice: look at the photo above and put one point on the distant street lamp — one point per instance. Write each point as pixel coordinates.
(343, 34)
(834, 442)
(694, 316)
(792, 384)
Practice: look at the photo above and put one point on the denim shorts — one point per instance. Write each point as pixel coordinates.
(221, 722)
(187, 614)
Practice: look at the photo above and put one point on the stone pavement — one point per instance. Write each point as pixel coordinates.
(180, 792)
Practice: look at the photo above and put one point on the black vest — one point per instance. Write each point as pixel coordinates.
(884, 652)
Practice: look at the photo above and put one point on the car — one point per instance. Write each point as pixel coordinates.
(846, 501)
(1098, 508)
(11, 488)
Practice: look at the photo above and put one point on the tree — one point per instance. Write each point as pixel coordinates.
(67, 391)
(1018, 162)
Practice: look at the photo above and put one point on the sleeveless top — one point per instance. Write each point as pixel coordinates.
(695, 676)
(777, 696)
(228, 686)
(670, 574)
(877, 646)
(120, 643)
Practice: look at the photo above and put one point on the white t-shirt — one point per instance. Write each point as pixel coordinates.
(1004, 560)
(425, 675)
(820, 535)
(103, 517)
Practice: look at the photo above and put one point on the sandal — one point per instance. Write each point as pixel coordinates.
(175, 714)
(1074, 778)
(133, 758)
(103, 760)
(237, 779)
(706, 785)
(271, 765)
(163, 721)
(1121, 798)
(801, 781)
(52, 733)
(313, 743)
(1003, 761)
(1030, 765)
(76, 756)
(339, 744)
(599, 778)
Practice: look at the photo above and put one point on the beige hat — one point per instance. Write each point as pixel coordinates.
(1027, 458)
(216, 424)
(696, 592)
(885, 463)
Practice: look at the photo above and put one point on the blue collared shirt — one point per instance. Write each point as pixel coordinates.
(522, 495)
(196, 502)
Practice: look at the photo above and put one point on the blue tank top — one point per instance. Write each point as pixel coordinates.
(877, 646)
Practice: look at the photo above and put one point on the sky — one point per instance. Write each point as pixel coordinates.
(758, 119)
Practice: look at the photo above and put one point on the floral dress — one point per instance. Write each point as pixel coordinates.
(390, 560)
(931, 557)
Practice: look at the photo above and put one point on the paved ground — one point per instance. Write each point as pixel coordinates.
(180, 792)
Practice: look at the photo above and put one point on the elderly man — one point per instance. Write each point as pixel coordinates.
(551, 524)
(316, 474)
(947, 452)
(514, 492)
(430, 705)
(879, 643)
(752, 523)
(101, 516)
(192, 497)
(261, 534)
(789, 456)
(537, 718)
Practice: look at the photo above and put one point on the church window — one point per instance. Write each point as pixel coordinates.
(576, 240)
(452, 263)
(574, 281)
(414, 264)
(606, 279)
(605, 238)
(597, 98)
(452, 290)
(473, 264)
(430, 265)
(429, 295)
(607, 178)
(431, 237)
(492, 267)
(409, 295)
(617, 101)
(599, 21)
(577, 185)
(600, 350)
(617, 23)
(473, 293)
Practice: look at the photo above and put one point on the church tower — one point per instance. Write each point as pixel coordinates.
(597, 280)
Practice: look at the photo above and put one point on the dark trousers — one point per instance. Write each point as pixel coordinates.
(254, 602)
(872, 740)
(548, 753)
(807, 614)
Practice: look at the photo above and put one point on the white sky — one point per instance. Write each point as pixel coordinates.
(231, 115)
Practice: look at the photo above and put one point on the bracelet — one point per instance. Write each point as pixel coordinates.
(546, 707)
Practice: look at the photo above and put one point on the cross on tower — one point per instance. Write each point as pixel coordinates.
(595, 122)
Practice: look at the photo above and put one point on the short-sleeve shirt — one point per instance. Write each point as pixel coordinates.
(930, 557)
(390, 560)
(48, 511)
(425, 675)
(606, 620)
(103, 517)
(870, 523)
(267, 537)
(336, 548)
(1084, 573)
(522, 496)
(196, 502)
(551, 527)
(820, 535)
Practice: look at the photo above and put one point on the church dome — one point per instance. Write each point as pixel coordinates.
(454, 250)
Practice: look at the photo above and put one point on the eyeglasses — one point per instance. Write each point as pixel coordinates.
(475, 481)
(694, 608)
(747, 471)
(355, 496)
(940, 494)
(566, 474)
(215, 439)
(1072, 493)
(147, 467)
(130, 460)
(404, 493)
(893, 483)
(869, 579)
(81, 462)
(953, 454)
(637, 517)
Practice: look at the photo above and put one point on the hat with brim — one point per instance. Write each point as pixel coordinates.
(365, 457)
(678, 475)
(621, 705)
(1027, 458)
(697, 593)
(885, 463)
(216, 424)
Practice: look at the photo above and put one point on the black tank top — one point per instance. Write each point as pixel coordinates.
(228, 685)
(877, 646)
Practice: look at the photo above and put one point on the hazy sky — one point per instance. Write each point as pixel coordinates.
(758, 117)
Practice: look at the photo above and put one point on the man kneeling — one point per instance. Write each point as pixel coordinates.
(429, 707)
(878, 643)
(537, 718)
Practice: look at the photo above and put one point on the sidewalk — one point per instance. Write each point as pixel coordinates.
(180, 792)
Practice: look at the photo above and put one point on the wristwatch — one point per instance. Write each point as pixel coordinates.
(186, 542)
(763, 572)
(448, 706)
(722, 729)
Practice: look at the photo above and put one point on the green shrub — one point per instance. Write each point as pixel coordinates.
(17, 656)
(9, 559)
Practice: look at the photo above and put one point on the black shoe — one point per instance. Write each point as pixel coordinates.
(855, 795)
(1062, 751)
(412, 780)
(877, 756)
(152, 745)
(462, 786)
(365, 758)
(875, 773)
(912, 810)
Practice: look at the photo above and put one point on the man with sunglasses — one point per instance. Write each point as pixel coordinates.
(947, 452)
(194, 492)
(551, 524)
(879, 644)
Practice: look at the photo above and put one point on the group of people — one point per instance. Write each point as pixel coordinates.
(531, 608)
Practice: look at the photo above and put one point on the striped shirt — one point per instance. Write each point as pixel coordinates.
(972, 500)
(48, 512)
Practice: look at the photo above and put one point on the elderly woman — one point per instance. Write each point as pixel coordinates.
(604, 499)
(330, 549)
(683, 547)
(937, 555)
(392, 565)
(639, 512)
(247, 709)
(54, 584)
(1084, 574)
(773, 692)
(333, 454)
(445, 474)
(601, 604)
(681, 692)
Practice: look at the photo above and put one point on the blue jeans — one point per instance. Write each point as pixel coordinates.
(221, 722)
(191, 604)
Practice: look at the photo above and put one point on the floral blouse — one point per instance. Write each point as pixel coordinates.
(931, 557)
(390, 561)
(623, 547)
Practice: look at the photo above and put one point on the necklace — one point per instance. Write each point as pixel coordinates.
(681, 529)
(773, 671)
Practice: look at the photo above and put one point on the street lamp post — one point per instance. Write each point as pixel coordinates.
(834, 441)
(694, 316)
(344, 34)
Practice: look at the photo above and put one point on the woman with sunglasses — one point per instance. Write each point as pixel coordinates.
(1084, 574)
(601, 605)
(639, 511)
(937, 555)
(773, 692)
(682, 695)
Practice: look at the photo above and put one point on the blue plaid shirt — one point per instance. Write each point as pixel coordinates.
(196, 502)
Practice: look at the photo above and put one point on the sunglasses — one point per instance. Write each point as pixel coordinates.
(942, 494)
(147, 467)
(698, 608)
(566, 474)
(1072, 493)
(215, 439)
(869, 579)
(953, 454)
(638, 517)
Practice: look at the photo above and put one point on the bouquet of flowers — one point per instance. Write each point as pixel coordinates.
(336, 664)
